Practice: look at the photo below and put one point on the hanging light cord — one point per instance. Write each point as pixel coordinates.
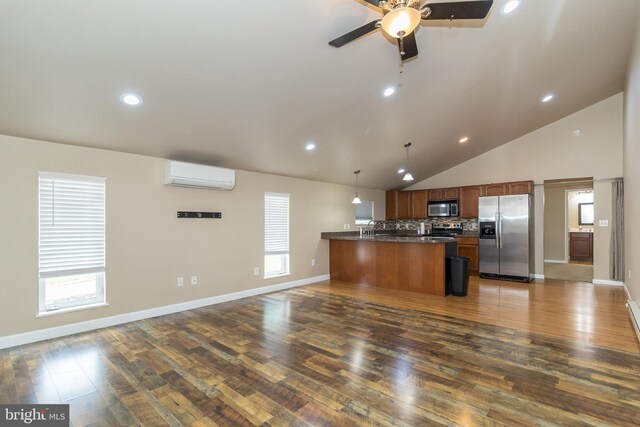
(407, 145)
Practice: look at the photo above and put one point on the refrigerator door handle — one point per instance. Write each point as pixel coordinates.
(500, 228)
(497, 216)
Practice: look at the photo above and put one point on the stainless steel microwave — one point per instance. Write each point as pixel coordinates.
(443, 208)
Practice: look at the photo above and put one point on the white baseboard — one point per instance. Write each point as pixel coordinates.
(89, 325)
(627, 291)
(538, 276)
(556, 261)
(634, 312)
(607, 282)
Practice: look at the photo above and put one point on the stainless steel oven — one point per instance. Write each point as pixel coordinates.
(442, 208)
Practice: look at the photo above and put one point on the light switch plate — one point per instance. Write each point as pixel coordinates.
(603, 223)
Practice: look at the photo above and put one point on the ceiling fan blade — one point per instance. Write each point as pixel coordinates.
(458, 10)
(355, 34)
(373, 2)
(410, 46)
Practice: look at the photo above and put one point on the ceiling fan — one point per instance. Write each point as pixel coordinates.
(401, 17)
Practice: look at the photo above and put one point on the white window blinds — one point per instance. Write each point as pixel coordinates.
(276, 223)
(72, 224)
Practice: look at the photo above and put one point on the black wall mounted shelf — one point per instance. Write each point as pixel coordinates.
(185, 214)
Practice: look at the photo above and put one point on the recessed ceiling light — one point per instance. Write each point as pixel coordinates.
(463, 140)
(547, 98)
(131, 99)
(401, 170)
(510, 6)
(310, 146)
(389, 91)
(577, 132)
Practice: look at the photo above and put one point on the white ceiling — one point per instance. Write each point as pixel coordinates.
(246, 84)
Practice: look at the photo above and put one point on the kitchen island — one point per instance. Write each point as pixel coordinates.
(408, 263)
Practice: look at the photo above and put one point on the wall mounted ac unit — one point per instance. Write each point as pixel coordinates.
(198, 176)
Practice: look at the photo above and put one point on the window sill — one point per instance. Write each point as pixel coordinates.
(71, 309)
(276, 275)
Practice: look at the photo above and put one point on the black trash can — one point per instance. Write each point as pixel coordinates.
(459, 275)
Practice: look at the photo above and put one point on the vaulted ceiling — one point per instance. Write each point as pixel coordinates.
(247, 85)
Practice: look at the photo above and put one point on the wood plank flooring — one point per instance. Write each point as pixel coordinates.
(583, 312)
(318, 356)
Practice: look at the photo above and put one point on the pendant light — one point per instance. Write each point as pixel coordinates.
(407, 176)
(356, 200)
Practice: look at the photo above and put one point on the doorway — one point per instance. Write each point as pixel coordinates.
(568, 229)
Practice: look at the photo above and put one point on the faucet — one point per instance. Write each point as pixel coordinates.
(371, 228)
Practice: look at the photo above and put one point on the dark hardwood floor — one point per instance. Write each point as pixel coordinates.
(316, 357)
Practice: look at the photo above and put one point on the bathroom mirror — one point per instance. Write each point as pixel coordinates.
(585, 214)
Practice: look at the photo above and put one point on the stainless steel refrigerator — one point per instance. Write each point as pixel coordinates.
(506, 237)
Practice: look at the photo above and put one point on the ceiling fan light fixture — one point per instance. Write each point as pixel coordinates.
(401, 21)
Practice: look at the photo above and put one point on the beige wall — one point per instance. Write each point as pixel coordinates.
(147, 246)
(632, 171)
(554, 224)
(552, 152)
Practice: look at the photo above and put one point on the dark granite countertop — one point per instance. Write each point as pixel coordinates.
(401, 238)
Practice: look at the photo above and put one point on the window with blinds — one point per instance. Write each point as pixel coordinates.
(276, 234)
(364, 212)
(71, 240)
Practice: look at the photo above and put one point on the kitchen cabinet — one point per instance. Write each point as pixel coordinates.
(581, 246)
(391, 204)
(443, 194)
(398, 204)
(468, 246)
(499, 189)
(469, 200)
(404, 204)
(419, 204)
(521, 187)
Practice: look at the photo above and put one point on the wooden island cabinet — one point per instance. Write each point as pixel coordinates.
(408, 264)
(468, 246)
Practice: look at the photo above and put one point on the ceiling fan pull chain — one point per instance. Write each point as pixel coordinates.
(401, 34)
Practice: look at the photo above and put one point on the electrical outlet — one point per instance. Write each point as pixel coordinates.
(194, 280)
(313, 262)
(256, 271)
(603, 223)
(180, 281)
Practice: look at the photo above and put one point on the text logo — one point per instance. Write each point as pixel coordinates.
(34, 415)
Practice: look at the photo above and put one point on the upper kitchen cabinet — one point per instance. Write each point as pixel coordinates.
(443, 194)
(469, 200)
(419, 204)
(391, 204)
(495, 189)
(521, 187)
(397, 204)
(404, 204)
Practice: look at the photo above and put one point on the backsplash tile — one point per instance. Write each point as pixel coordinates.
(469, 225)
